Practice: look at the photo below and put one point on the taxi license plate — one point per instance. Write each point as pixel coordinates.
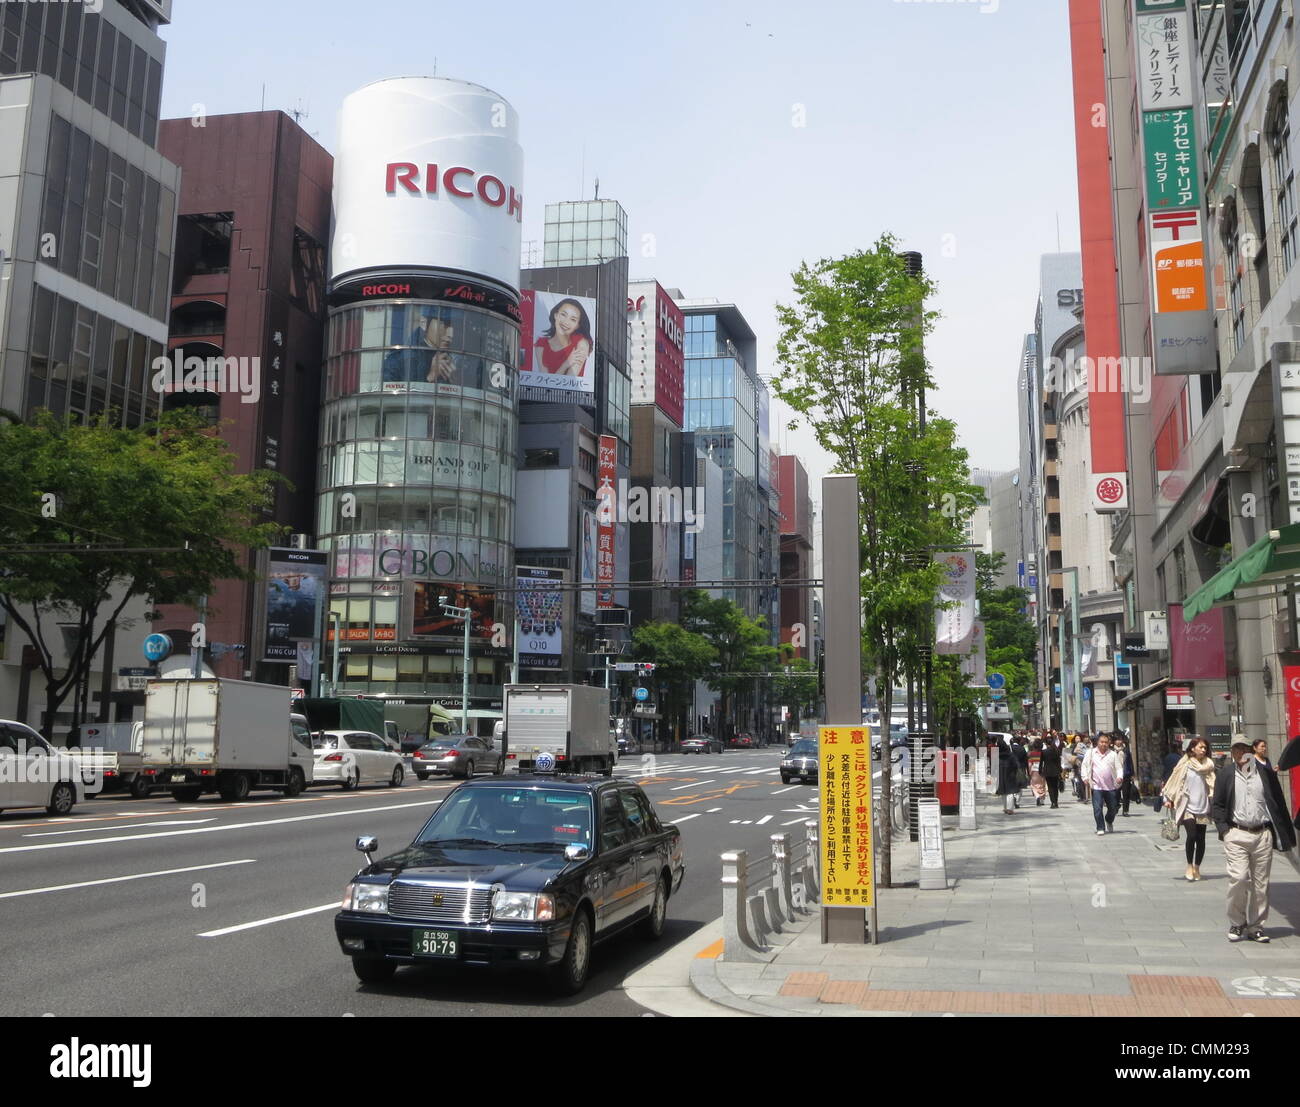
(434, 943)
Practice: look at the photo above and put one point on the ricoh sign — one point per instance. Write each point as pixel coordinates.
(428, 176)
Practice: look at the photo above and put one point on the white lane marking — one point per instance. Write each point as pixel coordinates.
(764, 819)
(332, 906)
(120, 879)
(793, 821)
(120, 826)
(782, 791)
(214, 829)
(679, 787)
(722, 771)
(758, 772)
(686, 818)
(741, 822)
(711, 810)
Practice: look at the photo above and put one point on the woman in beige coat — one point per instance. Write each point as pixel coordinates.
(1188, 791)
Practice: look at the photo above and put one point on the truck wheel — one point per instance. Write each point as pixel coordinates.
(571, 973)
(296, 782)
(188, 794)
(373, 970)
(396, 782)
(234, 787)
(608, 770)
(62, 799)
(141, 786)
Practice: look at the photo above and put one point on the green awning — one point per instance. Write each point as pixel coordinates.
(1274, 557)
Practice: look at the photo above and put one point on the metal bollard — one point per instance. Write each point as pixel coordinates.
(814, 860)
(737, 942)
(781, 880)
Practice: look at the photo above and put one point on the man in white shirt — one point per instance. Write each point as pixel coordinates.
(1103, 770)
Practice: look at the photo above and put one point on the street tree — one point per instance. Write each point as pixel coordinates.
(796, 687)
(680, 659)
(852, 365)
(741, 644)
(97, 514)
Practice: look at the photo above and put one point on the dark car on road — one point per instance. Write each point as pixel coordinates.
(457, 755)
(519, 872)
(800, 761)
(702, 743)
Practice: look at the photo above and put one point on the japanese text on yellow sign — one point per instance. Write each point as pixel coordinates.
(847, 848)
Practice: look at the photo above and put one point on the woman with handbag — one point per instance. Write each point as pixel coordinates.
(1187, 795)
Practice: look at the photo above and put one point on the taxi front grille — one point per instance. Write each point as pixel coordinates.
(440, 902)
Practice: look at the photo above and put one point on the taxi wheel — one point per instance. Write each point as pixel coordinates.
(373, 970)
(62, 799)
(653, 927)
(785, 779)
(571, 973)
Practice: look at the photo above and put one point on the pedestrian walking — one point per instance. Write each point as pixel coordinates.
(1175, 754)
(1081, 748)
(1260, 749)
(1037, 783)
(1103, 770)
(1008, 773)
(1187, 792)
(1251, 817)
(1054, 754)
(1127, 788)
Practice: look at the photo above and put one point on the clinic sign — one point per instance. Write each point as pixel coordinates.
(848, 878)
(1165, 58)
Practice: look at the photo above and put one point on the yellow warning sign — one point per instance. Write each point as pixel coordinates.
(848, 875)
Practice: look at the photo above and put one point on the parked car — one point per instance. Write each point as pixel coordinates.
(457, 755)
(518, 872)
(35, 774)
(800, 761)
(702, 743)
(351, 758)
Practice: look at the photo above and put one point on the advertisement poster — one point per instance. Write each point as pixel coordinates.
(605, 471)
(558, 359)
(1196, 648)
(589, 540)
(954, 613)
(428, 620)
(540, 613)
(848, 879)
(295, 588)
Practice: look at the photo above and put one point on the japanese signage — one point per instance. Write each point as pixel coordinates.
(540, 624)
(1179, 699)
(1182, 321)
(1172, 174)
(295, 586)
(973, 664)
(1196, 649)
(590, 540)
(606, 469)
(848, 879)
(954, 609)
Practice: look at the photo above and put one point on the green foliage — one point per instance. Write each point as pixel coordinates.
(680, 659)
(739, 642)
(169, 490)
(796, 687)
(1009, 636)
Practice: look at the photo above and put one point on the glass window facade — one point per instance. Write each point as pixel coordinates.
(584, 232)
(416, 468)
(84, 53)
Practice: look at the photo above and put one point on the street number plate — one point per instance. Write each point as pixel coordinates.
(434, 943)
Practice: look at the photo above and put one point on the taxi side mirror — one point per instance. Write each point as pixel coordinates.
(576, 853)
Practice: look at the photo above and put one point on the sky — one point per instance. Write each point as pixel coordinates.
(741, 136)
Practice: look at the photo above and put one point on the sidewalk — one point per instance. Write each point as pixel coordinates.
(1041, 917)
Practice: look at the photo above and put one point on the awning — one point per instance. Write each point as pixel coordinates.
(1274, 557)
(1141, 693)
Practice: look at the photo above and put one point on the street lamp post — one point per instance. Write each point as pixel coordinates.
(464, 614)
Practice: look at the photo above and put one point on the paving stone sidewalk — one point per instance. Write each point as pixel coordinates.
(1041, 917)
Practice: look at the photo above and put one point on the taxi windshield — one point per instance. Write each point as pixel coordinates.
(804, 747)
(511, 818)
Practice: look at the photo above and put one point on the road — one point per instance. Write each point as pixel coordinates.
(154, 908)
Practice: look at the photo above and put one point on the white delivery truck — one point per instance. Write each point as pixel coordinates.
(567, 722)
(225, 736)
(112, 752)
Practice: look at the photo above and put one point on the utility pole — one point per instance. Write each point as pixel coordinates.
(465, 614)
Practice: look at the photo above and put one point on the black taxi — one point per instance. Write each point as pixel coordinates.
(523, 871)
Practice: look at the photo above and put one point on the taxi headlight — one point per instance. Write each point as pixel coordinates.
(523, 906)
(371, 898)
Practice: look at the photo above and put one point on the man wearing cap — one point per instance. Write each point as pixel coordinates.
(1251, 817)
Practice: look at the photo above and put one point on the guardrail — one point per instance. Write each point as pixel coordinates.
(761, 896)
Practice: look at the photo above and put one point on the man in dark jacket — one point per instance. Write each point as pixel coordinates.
(1008, 763)
(1050, 766)
(1128, 789)
(1251, 816)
